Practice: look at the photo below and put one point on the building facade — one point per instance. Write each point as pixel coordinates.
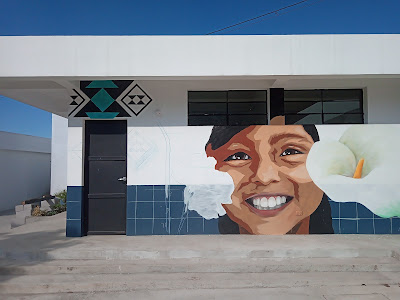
(145, 157)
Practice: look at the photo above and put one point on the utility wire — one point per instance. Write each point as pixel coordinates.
(258, 17)
(276, 15)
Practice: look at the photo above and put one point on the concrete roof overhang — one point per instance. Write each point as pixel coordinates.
(39, 70)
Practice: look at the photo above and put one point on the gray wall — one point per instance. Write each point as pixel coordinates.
(24, 168)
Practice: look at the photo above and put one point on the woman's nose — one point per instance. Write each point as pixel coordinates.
(266, 172)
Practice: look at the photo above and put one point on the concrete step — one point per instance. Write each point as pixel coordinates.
(190, 252)
(260, 265)
(363, 292)
(78, 283)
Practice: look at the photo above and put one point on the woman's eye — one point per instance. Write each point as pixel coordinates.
(290, 151)
(238, 156)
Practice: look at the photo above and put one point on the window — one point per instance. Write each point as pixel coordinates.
(324, 107)
(227, 108)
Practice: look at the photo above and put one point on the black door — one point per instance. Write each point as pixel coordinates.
(105, 177)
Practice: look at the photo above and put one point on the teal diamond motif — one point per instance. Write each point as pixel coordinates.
(102, 100)
(102, 84)
(102, 115)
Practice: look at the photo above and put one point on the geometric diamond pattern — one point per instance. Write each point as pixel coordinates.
(137, 100)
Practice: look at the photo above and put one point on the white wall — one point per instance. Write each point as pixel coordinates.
(383, 100)
(25, 168)
(59, 150)
(149, 146)
(227, 55)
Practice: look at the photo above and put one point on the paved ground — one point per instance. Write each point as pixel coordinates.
(37, 261)
(5, 220)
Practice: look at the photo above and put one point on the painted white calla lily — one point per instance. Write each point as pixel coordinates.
(331, 165)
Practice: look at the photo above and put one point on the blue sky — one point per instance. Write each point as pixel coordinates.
(178, 17)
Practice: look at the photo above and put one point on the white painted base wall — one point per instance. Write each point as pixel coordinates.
(59, 147)
(24, 168)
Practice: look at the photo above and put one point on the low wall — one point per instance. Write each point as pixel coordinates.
(25, 168)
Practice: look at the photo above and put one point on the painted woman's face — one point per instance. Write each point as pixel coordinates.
(273, 192)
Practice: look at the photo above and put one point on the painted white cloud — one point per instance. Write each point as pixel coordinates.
(331, 165)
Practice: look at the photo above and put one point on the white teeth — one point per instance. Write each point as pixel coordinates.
(271, 202)
(264, 202)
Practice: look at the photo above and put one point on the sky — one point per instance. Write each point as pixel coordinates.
(179, 17)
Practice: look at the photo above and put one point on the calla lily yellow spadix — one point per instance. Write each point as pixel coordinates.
(332, 165)
(358, 171)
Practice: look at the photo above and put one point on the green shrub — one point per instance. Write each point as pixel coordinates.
(62, 196)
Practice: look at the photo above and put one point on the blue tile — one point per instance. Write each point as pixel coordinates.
(363, 212)
(131, 193)
(74, 228)
(144, 227)
(193, 214)
(159, 186)
(348, 226)
(145, 193)
(178, 226)
(366, 226)
(396, 225)
(160, 210)
(211, 226)
(159, 195)
(335, 225)
(160, 227)
(130, 227)
(382, 226)
(131, 210)
(74, 193)
(348, 210)
(177, 209)
(74, 210)
(176, 195)
(195, 226)
(334, 209)
(144, 210)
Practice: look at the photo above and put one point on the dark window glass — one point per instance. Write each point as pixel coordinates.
(217, 96)
(247, 108)
(208, 120)
(247, 120)
(343, 119)
(303, 119)
(247, 96)
(207, 108)
(342, 107)
(303, 107)
(341, 95)
(324, 107)
(227, 108)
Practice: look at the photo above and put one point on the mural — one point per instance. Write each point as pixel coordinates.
(265, 179)
(108, 99)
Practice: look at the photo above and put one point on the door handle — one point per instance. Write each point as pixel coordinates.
(122, 179)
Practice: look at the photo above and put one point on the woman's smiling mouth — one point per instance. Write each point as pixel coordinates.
(267, 205)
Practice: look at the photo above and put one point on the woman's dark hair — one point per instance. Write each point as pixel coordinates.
(320, 219)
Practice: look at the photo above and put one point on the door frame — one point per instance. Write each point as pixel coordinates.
(85, 208)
